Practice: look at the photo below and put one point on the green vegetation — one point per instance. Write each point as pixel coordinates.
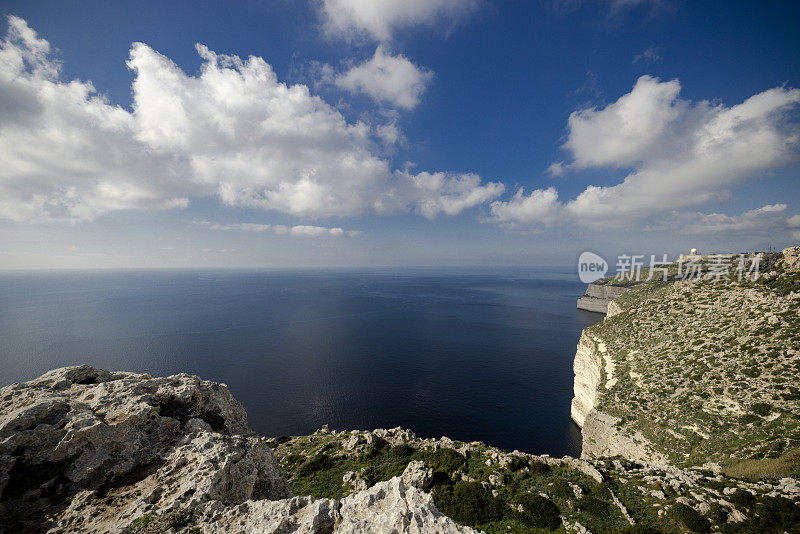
(690, 518)
(469, 503)
(539, 511)
(534, 494)
(172, 521)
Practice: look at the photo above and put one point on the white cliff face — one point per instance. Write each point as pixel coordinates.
(588, 374)
(601, 437)
(598, 296)
(86, 450)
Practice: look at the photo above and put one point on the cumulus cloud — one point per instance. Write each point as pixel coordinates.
(66, 152)
(389, 133)
(436, 193)
(541, 206)
(280, 229)
(766, 221)
(678, 154)
(387, 79)
(233, 131)
(379, 19)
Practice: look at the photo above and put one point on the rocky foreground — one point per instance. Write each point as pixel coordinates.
(86, 450)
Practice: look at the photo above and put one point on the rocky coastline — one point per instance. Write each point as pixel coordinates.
(684, 391)
(598, 296)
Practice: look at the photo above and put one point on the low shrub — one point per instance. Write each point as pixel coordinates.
(778, 513)
(319, 462)
(468, 503)
(761, 408)
(560, 489)
(375, 448)
(749, 418)
(444, 460)
(518, 463)
(596, 507)
(539, 512)
(752, 372)
(538, 467)
(274, 442)
(691, 518)
(401, 452)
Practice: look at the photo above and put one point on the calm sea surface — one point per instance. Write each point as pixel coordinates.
(471, 355)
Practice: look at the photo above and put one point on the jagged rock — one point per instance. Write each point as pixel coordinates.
(355, 440)
(791, 256)
(496, 479)
(391, 506)
(86, 450)
(356, 482)
(418, 475)
(91, 436)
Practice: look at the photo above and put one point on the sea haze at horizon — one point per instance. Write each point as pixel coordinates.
(469, 354)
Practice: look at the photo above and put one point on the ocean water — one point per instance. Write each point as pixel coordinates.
(483, 355)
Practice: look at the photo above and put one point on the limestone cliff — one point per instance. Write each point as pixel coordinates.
(691, 372)
(598, 296)
(601, 436)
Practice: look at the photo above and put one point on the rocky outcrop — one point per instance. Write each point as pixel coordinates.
(791, 256)
(86, 450)
(397, 505)
(603, 437)
(597, 297)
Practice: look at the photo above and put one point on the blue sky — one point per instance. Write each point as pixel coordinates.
(391, 133)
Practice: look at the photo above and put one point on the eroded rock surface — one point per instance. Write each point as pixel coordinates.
(87, 450)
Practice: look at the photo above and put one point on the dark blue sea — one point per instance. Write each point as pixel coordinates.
(473, 355)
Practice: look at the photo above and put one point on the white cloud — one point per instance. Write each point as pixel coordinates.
(541, 206)
(680, 153)
(765, 221)
(556, 168)
(379, 19)
(233, 131)
(440, 192)
(389, 133)
(387, 79)
(67, 153)
(627, 131)
(280, 229)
